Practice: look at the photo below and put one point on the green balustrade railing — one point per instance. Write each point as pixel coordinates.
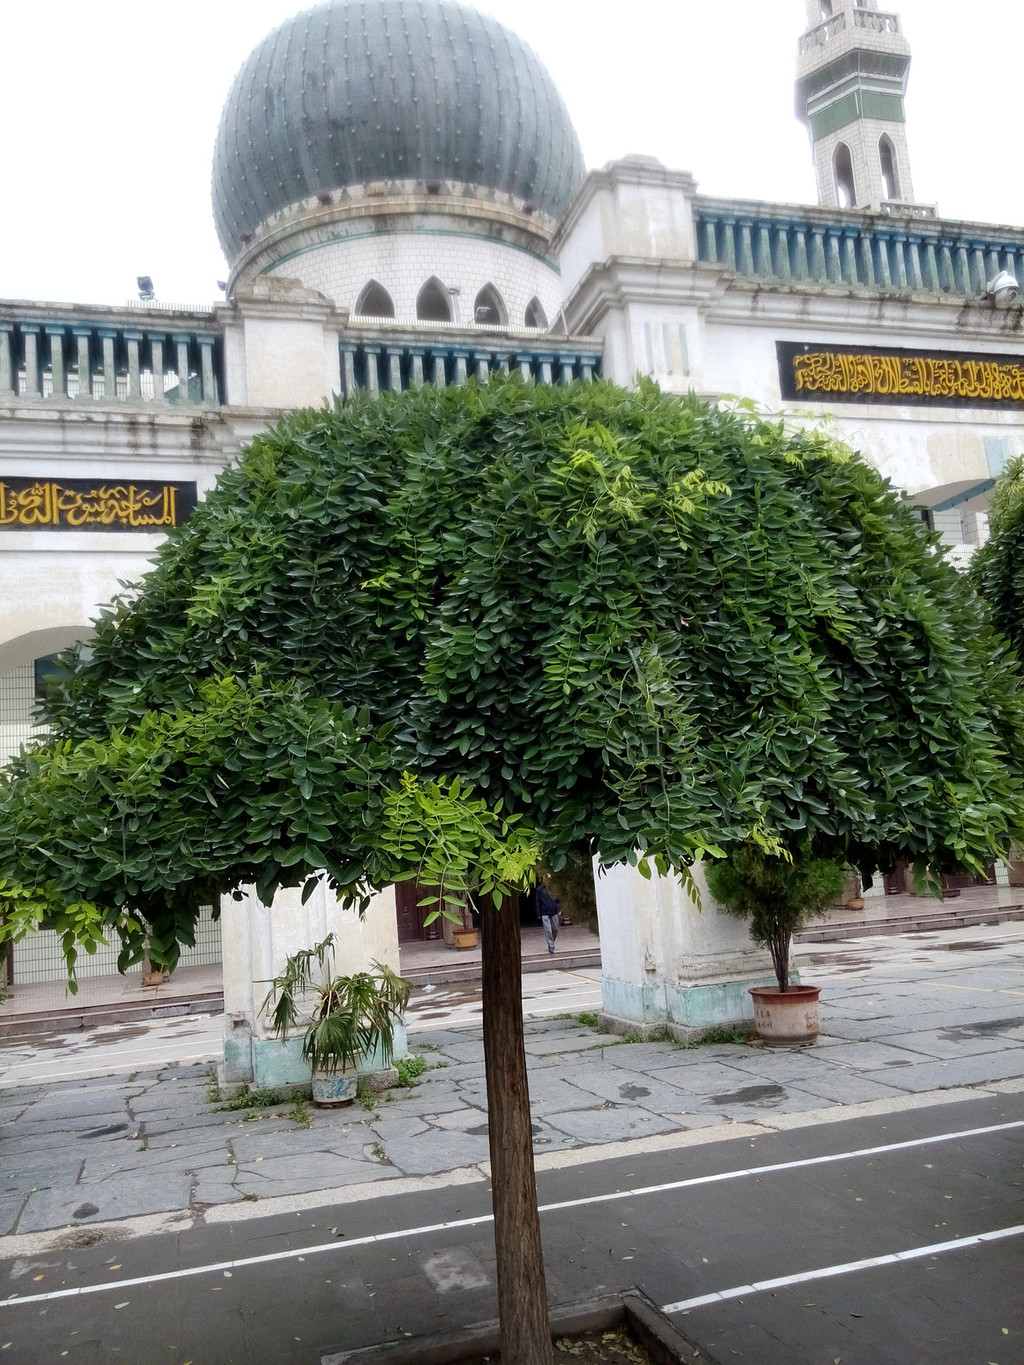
(162, 358)
(897, 251)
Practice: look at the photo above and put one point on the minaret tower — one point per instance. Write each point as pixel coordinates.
(851, 79)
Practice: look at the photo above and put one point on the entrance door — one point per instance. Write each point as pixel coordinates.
(411, 915)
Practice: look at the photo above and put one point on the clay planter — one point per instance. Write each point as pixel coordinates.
(335, 1088)
(786, 1018)
(465, 938)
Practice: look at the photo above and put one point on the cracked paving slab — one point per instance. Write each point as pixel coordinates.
(300, 1142)
(435, 1150)
(126, 1198)
(300, 1175)
(610, 1123)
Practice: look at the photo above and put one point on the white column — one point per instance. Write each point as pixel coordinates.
(666, 963)
(133, 339)
(256, 940)
(33, 384)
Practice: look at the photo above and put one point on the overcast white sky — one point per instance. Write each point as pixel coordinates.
(111, 109)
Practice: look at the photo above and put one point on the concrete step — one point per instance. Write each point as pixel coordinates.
(445, 973)
(945, 917)
(20, 1024)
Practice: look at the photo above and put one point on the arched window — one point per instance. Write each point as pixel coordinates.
(535, 315)
(489, 308)
(842, 165)
(826, 9)
(433, 303)
(887, 159)
(375, 302)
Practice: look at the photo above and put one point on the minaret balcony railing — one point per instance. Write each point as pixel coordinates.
(823, 33)
(88, 360)
(867, 20)
(894, 253)
(875, 21)
(386, 363)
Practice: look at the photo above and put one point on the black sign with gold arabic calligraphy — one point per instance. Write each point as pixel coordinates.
(876, 374)
(84, 505)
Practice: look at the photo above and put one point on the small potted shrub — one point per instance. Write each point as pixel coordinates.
(351, 1017)
(777, 897)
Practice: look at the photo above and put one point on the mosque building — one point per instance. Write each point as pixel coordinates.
(402, 200)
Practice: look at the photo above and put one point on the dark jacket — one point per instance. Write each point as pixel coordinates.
(547, 904)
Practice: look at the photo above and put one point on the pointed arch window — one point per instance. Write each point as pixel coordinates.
(489, 309)
(535, 314)
(375, 302)
(887, 161)
(433, 303)
(826, 9)
(842, 167)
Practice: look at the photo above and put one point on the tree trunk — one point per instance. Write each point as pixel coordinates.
(778, 946)
(522, 1295)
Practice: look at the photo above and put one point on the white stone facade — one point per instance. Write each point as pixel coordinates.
(629, 263)
(256, 941)
(52, 585)
(669, 960)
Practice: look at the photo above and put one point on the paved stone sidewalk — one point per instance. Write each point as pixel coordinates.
(935, 1012)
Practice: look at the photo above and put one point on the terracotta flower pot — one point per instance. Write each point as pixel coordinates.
(465, 938)
(786, 1018)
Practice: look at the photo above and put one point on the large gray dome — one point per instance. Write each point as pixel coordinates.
(367, 90)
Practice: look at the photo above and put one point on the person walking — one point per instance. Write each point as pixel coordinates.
(548, 907)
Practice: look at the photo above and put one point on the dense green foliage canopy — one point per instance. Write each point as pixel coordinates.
(998, 566)
(631, 623)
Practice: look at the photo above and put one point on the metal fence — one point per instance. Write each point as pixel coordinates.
(39, 957)
(17, 697)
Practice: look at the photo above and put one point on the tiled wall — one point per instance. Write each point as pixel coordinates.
(403, 262)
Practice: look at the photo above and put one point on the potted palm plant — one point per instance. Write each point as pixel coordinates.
(777, 896)
(352, 1017)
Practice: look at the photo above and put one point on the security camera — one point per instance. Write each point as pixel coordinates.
(1004, 289)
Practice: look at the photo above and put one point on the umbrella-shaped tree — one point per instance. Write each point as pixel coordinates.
(447, 633)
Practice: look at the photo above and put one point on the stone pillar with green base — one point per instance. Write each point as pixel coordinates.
(256, 941)
(667, 964)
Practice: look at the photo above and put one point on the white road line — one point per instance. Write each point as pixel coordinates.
(298, 1253)
(224, 1266)
(779, 1166)
(897, 1258)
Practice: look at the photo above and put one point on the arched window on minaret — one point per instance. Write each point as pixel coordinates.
(489, 309)
(434, 302)
(375, 302)
(887, 159)
(842, 166)
(826, 9)
(535, 315)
